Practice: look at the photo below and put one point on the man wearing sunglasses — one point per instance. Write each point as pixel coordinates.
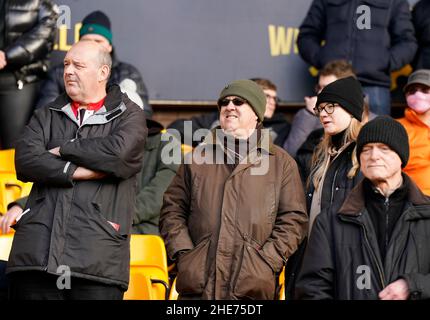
(276, 122)
(228, 225)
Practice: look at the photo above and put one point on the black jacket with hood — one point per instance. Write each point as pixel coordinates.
(66, 222)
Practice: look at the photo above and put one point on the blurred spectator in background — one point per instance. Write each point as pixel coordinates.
(27, 35)
(375, 37)
(154, 178)
(417, 124)
(96, 26)
(421, 20)
(274, 121)
(305, 121)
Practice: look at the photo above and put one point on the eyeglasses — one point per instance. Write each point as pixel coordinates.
(329, 108)
(236, 101)
(270, 97)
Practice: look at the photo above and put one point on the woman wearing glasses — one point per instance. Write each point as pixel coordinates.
(335, 169)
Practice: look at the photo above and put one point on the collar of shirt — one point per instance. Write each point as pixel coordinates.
(90, 106)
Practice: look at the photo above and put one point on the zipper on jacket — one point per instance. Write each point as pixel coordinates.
(386, 205)
(380, 272)
(332, 186)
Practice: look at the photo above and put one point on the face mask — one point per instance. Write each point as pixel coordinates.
(419, 101)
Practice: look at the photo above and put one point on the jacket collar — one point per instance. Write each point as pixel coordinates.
(412, 116)
(355, 202)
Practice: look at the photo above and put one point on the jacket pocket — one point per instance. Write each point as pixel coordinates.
(255, 278)
(192, 269)
(105, 225)
(30, 210)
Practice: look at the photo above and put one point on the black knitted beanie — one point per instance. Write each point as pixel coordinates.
(384, 129)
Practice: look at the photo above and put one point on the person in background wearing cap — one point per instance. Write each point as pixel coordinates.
(417, 124)
(230, 225)
(96, 27)
(377, 247)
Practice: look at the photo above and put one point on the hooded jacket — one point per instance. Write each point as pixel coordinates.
(66, 222)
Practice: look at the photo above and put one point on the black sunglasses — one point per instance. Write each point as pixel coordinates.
(236, 101)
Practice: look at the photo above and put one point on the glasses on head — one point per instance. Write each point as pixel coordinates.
(328, 107)
(236, 101)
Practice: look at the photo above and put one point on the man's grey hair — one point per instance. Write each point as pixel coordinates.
(105, 59)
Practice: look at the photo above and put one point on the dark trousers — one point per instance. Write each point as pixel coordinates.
(37, 285)
(16, 108)
(3, 280)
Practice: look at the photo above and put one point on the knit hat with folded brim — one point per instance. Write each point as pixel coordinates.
(96, 23)
(347, 92)
(386, 130)
(250, 91)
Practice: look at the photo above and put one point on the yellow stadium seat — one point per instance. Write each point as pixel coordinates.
(7, 161)
(173, 295)
(148, 269)
(11, 188)
(282, 285)
(5, 245)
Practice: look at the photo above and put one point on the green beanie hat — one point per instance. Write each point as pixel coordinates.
(96, 22)
(250, 91)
